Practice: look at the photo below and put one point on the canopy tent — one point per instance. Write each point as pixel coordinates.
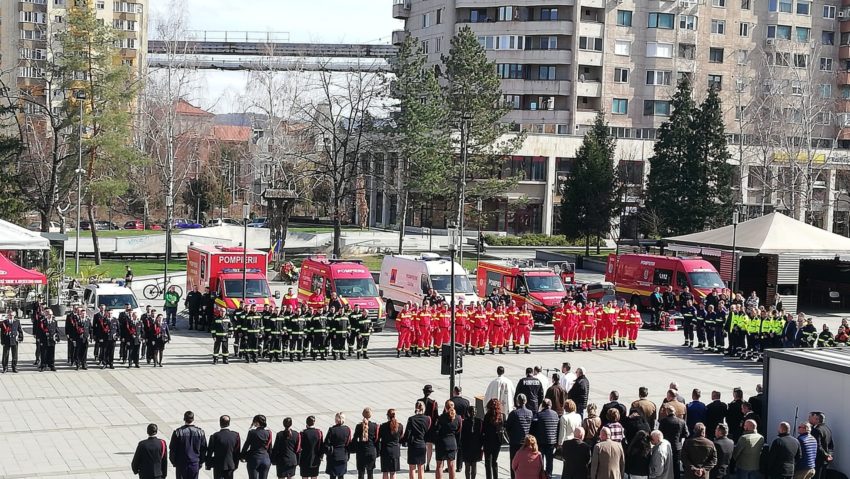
(15, 238)
(12, 274)
(770, 234)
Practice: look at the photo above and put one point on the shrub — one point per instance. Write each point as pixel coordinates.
(535, 240)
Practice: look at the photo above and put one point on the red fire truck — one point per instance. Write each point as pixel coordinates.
(221, 269)
(635, 276)
(526, 283)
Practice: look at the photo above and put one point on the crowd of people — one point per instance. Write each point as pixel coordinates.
(638, 440)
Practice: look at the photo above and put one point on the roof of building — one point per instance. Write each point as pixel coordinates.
(770, 234)
(186, 108)
(230, 133)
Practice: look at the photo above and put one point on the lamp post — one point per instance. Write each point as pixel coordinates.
(80, 96)
(452, 247)
(480, 238)
(735, 215)
(464, 146)
(246, 213)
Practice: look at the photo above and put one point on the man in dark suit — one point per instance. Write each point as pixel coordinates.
(724, 447)
(517, 426)
(532, 388)
(734, 415)
(614, 403)
(188, 448)
(151, 458)
(698, 455)
(461, 403)
(576, 455)
(715, 413)
(747, 409)
(223, 451)
(823, 435)
(757, 401)
(11, 334)
(783, 454)
(675, 431)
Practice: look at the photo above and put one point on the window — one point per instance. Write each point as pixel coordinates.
(513, 101)
(801, 60)
(509, 42)
(718, 27)
(783, 32)
(661, 20)
(439, 16)
(687, 51)
(785, 6)
(773, 5)
(825, 64)
(745, 4)
(621, 75)
(658, 77)
(740, 85)
(438, 44)
(688, 22)
(546, 72)
(804, 7)
(528, 168)
(548, 14)
(510, 70)
(659, 50)
(823, 118)
(479, 16)
(715, 55)
(796, 87)
(825, 90)
(624, 18)
(548, 42)
(829, 11)
(681, 76)
(590, 43)
(827, 37)
(426, 20)
(663, 277)
(100, 4)
(58, 19)
(507, 14)
(487, 42)
(803, 34)
(622, 47)
(718, 3)
(620, 106)
(742, 56)
(744, 29)
(740, 112)
(656, 108)
(561, 130)
(715, 82)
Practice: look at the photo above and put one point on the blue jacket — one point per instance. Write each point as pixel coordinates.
(545, 427)
(188, 446)
(696, 411)
(518, 425)
(809, 448)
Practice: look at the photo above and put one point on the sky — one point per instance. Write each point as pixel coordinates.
(325, 21)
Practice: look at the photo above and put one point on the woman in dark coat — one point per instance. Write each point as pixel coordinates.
(255, 451)
(286, 450)
(638, 455)
(494, 427)
(389, 439)
(417, 428)
(312, 441)
(159, 336)
(336, 446)
(448, 437)
(366, 445)
(472, 445)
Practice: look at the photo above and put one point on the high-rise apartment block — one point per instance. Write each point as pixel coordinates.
(782, 68)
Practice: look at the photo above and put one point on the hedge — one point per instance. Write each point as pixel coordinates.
(535, 240)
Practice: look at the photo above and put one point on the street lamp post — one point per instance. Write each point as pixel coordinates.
(480, 237)
(452, 247)
(246, 213)
(735, 215)
(464, 146)
(80, 96)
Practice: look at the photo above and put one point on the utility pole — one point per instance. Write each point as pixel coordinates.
(80, 95)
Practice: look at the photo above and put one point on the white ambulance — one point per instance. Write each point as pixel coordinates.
(408, 278)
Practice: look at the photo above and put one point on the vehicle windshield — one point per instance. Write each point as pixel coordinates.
(256, 288)
(441, 283)
(117, 301)
(705, 280)
(356, 288)
(544, 284)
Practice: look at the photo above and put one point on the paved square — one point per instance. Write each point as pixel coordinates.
(86, 424)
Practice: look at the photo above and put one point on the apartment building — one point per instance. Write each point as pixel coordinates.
(562, 61)
(28, 29)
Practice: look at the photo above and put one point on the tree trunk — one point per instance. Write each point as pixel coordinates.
(45, 222)
(402, 221)
(587, 244)
(94, 239)
(598, 236)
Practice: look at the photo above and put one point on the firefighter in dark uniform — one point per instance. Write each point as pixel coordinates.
(135, 338)
(253, 331)
(111, 335)
(124, 318)
(237, 321)
(825, 338)
(364, 332)
(48, 336)
(319, 335)
(268, 316)
(340, 332)
(296, 328)
(351, 341)
(98, 321)
(808, 334)
(276, 330)
(11, 333)
(700, 325)
(37, 317)
(83, 337)
(70, 333)
(194, 302)
(221, 334)
(689, 315)
(209, 309)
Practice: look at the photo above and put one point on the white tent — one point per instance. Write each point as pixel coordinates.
(14, 238)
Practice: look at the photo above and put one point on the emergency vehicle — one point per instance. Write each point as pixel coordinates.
(635, 276)
(539, 287)
(220, 268)
(349, 279)
(407, 278)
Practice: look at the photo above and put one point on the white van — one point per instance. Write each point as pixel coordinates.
(408, 278)
(113, 296)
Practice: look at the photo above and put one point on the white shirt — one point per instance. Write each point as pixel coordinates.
(567, 380)
(567, 426)
(502, 389)
(546, 382)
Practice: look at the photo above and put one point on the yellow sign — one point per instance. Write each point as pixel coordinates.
(802, 157)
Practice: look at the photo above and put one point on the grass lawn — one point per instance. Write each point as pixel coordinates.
(116, 269)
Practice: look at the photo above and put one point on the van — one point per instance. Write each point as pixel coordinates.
(349, 279)
(407, 278)
(635, 276)
(113, 296)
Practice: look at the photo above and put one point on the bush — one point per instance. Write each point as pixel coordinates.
(535, 240)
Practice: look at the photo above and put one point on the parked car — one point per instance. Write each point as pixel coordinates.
(106, 226)
(52, 228)
(223, 222)
(85, 226)
(259, 222)
(185, 224)
(155, 227)
(134, 225)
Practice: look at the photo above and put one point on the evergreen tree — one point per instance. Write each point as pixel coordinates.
(591, 196)
(713, 158)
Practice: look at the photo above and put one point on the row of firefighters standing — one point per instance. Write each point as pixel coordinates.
(506, 326)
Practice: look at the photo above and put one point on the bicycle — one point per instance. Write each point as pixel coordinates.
(153, 291)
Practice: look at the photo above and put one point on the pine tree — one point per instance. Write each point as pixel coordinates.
(713, 157)
(591, 196)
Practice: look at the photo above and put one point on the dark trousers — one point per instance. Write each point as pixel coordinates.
(676, 463)
(548, 451)
(258, 468)
(688, 327)
(718, 336)
(171, 316)
(491, 464)
(187, 471)
(194, 318)
(701, 332)
(512, 450)
(296, 343)
(133, 354)
(97, 348)
(219, 474)
(107, 352)
(209, 320)
(709, 332)
(122, 350)
(220, 347)
(10, 351)
(82, 350)
(363, 343)
(48, 353)
(656, 317)
(72, 355)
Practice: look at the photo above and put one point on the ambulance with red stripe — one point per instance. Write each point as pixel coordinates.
(539, 287)
(349, 279)
(635, 276)
(220, 268)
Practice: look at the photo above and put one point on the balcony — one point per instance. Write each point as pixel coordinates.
(844, 52)
(593, 3)
(541, 87)
(401, 9)
(587, 29)
(549, 57)
(844, 134)
(585, 117)
(538, 116)
(843, 105)
(843, 78)
(557, 27)
(518, 3)
(589, 88)
(586, 57)
(399, 36)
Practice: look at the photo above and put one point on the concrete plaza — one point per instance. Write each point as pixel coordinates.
(86, 424)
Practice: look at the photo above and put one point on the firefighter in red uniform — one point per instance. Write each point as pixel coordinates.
(572, 316)
(525, 322)
(404, 326)
(498, 323)
(635, 322)
(414, 323)
(512, 315)
(442, 328)
(588, 322)
(316, 300)
(461, 325)
(558, 318)
(622, 324)
(479, 329)
(425, 328)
